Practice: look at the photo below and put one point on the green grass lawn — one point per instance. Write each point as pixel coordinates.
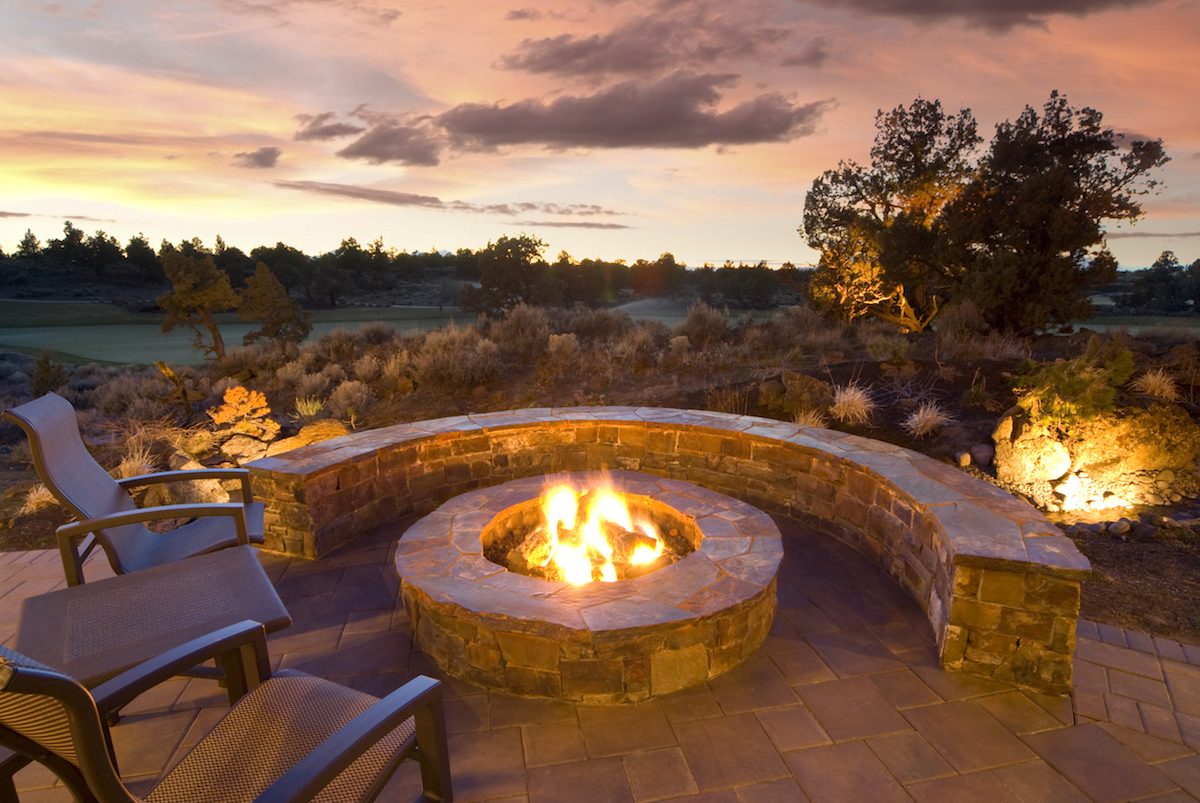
(92, 332)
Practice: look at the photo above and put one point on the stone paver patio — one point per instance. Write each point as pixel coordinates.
(843, 702)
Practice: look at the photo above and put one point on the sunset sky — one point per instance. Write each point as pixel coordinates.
(610, 129)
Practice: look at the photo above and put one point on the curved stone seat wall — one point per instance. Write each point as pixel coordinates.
(998, 581)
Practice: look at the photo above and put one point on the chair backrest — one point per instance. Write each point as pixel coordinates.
(64, 463)
(49, 717)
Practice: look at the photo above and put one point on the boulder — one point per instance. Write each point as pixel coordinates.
(1160, 437)
(1026, 453)
(803, 392)
(315, 432)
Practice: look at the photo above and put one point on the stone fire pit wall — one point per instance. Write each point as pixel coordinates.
(998, 581)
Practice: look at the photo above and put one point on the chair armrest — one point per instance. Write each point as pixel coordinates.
(230, 645)
(236, 510)
(421, 698)
(182, 475)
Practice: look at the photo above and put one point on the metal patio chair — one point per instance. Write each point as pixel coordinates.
(96, 631)
(292, 737)
(107, 515)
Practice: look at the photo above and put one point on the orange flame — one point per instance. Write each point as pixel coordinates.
(579, 553)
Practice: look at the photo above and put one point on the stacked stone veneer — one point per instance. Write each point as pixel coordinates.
(618, 642)
(998, 581)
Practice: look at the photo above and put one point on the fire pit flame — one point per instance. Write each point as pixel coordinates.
(588, 536)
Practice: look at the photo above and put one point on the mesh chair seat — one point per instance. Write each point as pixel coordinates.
(271, 729)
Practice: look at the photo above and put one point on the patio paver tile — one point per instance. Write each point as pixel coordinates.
(910, 758)
(507, 710)
(1185, 772)
(549, 743)
(844, 773)
(613, 730)
(487, 764)
(1018, 713)
(852, 709)
(1037, 782)
(963, 789)
(1149, 748)
(968, 736)
(754, 684)
(688, 704)
(1124, 712)
(1109, 655)
(658, 774)
(730, 751)
(785, 790)
(1099, 765)
(1138, 688)
(854, 652)
(598, 781)
(792, 727)
(799, 668)
(904, 689)
(464, 714)
(1183, 682)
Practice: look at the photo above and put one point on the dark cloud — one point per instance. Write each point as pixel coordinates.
(75, 136)
(813, 53)
(523, 14)
(990, 14)
(566, 224)
(264, 157)
(322, 127)
(676, 35)
(393, 140)
(394, 198)
(678, 111)
(389, 197)
(1151, 235)
(15, 214)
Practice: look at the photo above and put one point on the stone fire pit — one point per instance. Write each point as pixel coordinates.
(599, 642)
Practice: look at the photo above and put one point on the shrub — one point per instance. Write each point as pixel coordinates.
(810, 418)
(638, 349)
(563, 351)
(1156, 384)
(350, 400)
(366, 368)
(313, 385)
(704, 325)
(136, 460)
(598, 325)
(246, 413)
(884, 347)
(803, 392)
(1066, 392)
(308, 410)
(523, 333)
(36, 498)
(927, 420)
(377, 333)
(335, 373)
(959, 328)
(457, 359)
(291, 373)
(727, 400)
(852, 404)
(47, 376)
(337, 346)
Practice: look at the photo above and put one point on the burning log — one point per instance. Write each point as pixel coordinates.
(532, 554)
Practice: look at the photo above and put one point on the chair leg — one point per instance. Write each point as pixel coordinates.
(10, 763)
(430, 722)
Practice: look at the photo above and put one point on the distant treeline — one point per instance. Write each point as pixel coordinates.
(352, 270)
